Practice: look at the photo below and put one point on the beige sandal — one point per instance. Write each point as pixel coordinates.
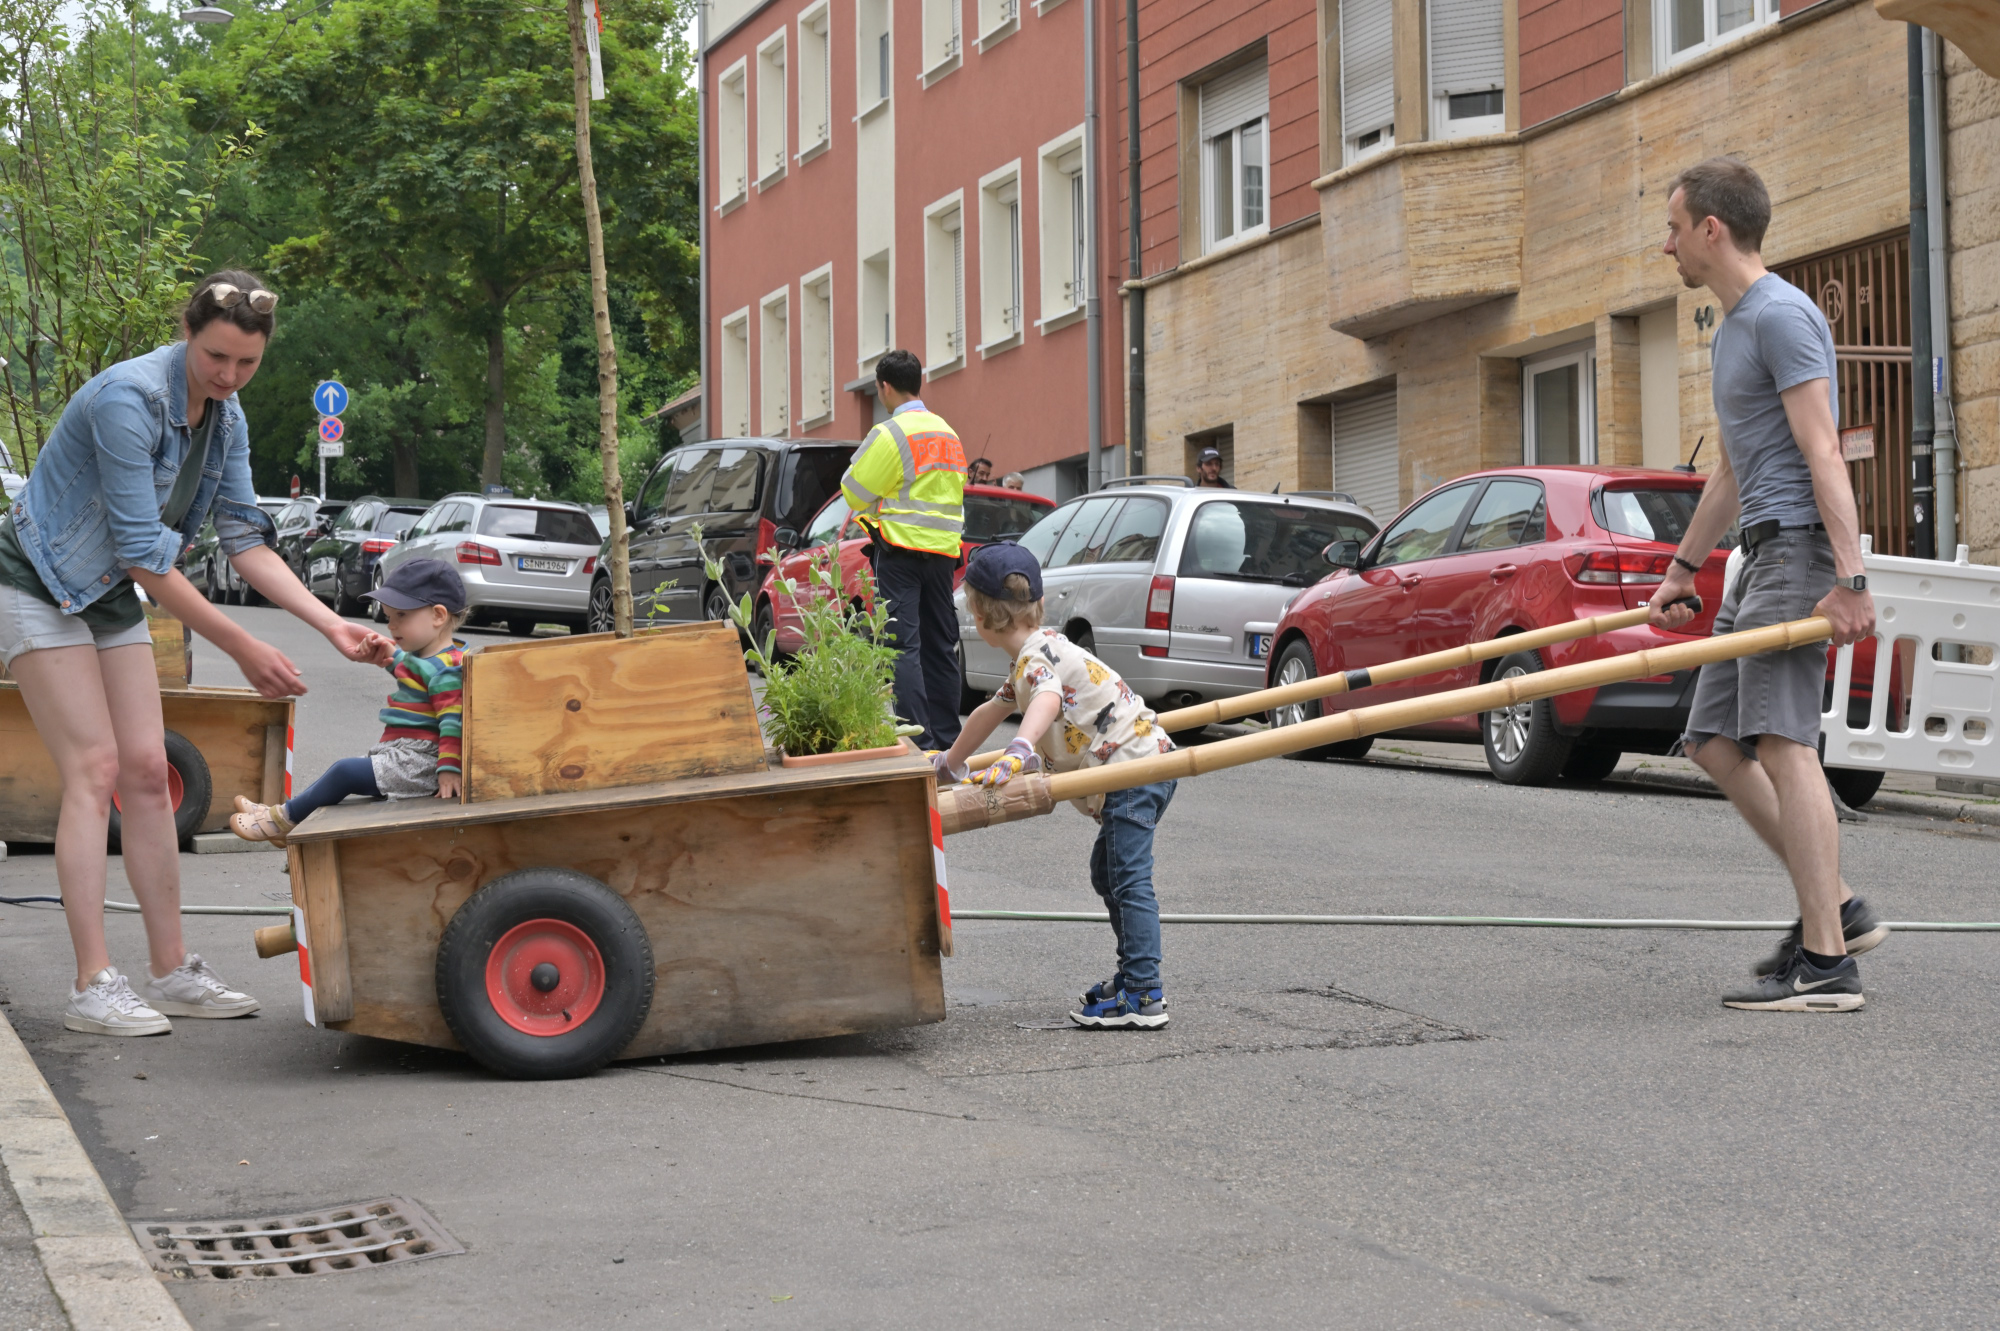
(259, 822)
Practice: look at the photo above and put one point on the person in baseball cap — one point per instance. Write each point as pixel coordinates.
(420, 582)
(1208, 470)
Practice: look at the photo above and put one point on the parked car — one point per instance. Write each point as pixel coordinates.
(991, 514)
(1501, 552)
(11, 484)
(340, 566)
(739, 492)
(1178, 589)
(525, 561)
(301, 522)
(210, 570)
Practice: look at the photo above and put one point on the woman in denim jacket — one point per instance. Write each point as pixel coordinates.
(141, 456)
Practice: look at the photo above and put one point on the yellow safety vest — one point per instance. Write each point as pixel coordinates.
(908, 482)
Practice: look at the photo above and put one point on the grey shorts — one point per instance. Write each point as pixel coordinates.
(1778, 693)
(30, 624)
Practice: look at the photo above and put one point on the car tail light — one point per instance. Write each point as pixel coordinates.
(376, 546)
(472, 552)
(1152, 651)
(590, 566)
(1619, 566)
(1160, 602)
(767, 541)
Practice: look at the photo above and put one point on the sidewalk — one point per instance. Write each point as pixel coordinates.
(67, 1257)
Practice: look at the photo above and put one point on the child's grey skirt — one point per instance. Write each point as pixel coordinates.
(405, 768)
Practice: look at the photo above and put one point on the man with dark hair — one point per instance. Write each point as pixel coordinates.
(1208, 470)
(1754, 724)
(907, 486)
(981, 472)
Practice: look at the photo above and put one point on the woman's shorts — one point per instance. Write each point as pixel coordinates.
(30, 624)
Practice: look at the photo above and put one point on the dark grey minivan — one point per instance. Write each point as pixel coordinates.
(740, 492)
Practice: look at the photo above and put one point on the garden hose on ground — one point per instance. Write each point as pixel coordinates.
(1486, 921)
(132, 907)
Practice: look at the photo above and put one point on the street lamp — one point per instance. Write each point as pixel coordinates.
(206, 14)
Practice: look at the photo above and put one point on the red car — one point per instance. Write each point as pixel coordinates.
(991, 514)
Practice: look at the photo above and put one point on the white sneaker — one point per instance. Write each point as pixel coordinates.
(109, 1007)
(192, 989)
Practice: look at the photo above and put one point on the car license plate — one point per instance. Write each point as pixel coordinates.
(529, 564)
(1260, 646)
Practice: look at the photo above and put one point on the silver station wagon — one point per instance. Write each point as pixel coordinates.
(1176, 588)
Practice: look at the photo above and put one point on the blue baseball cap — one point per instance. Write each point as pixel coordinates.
(421, 582)
(990, 565)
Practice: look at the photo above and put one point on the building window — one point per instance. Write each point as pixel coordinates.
(1468, 68)
(732, 138)
(944, 284)
(872, 67)
(771, 99)
(735, 370)
(997, 18)
(1686, 28)
(1000, 259)
(1559, 408)
(816, 348)
(876, 326)
(1065, 222)
(941, 38)
(815, 81)
(774, 363)
(1367, 77)
(1235, 154)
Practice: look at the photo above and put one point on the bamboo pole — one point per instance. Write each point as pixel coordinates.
(1431, 663)
(966, 807)
(600, 314)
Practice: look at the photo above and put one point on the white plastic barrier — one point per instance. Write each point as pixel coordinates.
(1942, 622)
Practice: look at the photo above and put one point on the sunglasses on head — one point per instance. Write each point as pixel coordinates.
(229, 297)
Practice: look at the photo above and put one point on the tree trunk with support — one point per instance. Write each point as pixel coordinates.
(496, 399)
(600, 314)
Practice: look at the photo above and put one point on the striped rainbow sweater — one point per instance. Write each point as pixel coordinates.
(427, 701)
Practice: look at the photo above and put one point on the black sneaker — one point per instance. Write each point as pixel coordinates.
(1803, 987)
(1860, 926)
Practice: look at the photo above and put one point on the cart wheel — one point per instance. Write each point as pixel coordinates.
(189, 790)
(544, 973)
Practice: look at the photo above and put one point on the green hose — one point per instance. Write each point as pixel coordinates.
(1486, 921)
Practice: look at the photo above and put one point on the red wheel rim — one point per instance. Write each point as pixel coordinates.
(578, 985)
(176, 791)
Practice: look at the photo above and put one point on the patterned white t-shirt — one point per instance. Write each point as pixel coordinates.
(1102, 720)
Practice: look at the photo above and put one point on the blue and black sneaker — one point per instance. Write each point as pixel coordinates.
(1146, 1011)
(1103, 990)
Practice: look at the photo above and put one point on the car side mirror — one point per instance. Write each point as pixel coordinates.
(1343, 554)
(631, 513)
(788, 538)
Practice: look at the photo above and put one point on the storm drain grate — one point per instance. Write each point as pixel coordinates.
(356, 1237)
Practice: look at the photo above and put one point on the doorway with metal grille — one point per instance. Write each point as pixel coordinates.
(1864, 291)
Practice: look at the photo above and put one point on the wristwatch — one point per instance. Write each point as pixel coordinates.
(1857, 583)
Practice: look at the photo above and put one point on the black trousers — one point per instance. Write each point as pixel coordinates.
(916, 586)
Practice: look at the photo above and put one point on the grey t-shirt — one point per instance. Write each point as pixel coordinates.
(1773, 340)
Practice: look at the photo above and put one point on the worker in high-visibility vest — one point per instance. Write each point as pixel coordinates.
(907, 486)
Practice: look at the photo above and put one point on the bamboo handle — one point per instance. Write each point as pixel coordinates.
(1396, 716)
(1431, 663)
(276, 940)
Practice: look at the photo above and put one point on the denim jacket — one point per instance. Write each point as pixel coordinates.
(91, 509)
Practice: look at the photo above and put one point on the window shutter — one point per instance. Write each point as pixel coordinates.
(1467, 52)
(1364, 453)
(1235, 98)
(1367, 66)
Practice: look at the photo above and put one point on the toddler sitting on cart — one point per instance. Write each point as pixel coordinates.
(418, 754)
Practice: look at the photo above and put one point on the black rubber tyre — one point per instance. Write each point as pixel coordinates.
(1854, 786)
(1295, 664)
(968, 697)
(344, 603)
(715, 602)
(763, 626)
(1523, 747)
(1084, 638)
(570, 899)
(1591, 763)
(216, 590)
(197, 791)
(600, 618)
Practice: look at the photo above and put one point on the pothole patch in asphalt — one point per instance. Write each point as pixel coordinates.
(1029, 1036)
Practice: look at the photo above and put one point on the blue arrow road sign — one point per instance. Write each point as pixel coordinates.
(330, 429)
(330, 396)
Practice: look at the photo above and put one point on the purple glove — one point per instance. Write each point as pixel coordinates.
(1020, 756)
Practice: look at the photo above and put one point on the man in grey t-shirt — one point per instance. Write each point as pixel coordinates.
(1754, 725)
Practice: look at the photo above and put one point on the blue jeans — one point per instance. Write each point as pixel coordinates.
(923, 628)
(1121, 869)
(349, 776)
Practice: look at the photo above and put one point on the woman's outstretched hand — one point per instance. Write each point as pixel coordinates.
(268, 670)
(361, 644)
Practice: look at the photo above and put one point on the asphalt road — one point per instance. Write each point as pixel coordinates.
(1344, 1127)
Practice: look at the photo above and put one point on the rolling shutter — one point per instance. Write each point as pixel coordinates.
(1467, 46)
(1367, 66)
(1365, 462)
(1236, 98)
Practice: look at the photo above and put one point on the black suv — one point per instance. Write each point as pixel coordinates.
(739, 492)
(301, 522)
(340, 565)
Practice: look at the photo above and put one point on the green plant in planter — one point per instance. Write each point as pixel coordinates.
(836, 695)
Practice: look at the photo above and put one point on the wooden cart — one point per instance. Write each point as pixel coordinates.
(221, 743)
(629, 874)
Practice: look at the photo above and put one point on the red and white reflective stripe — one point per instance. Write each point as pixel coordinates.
(305, 962)
(289, 732)
(937, 858)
